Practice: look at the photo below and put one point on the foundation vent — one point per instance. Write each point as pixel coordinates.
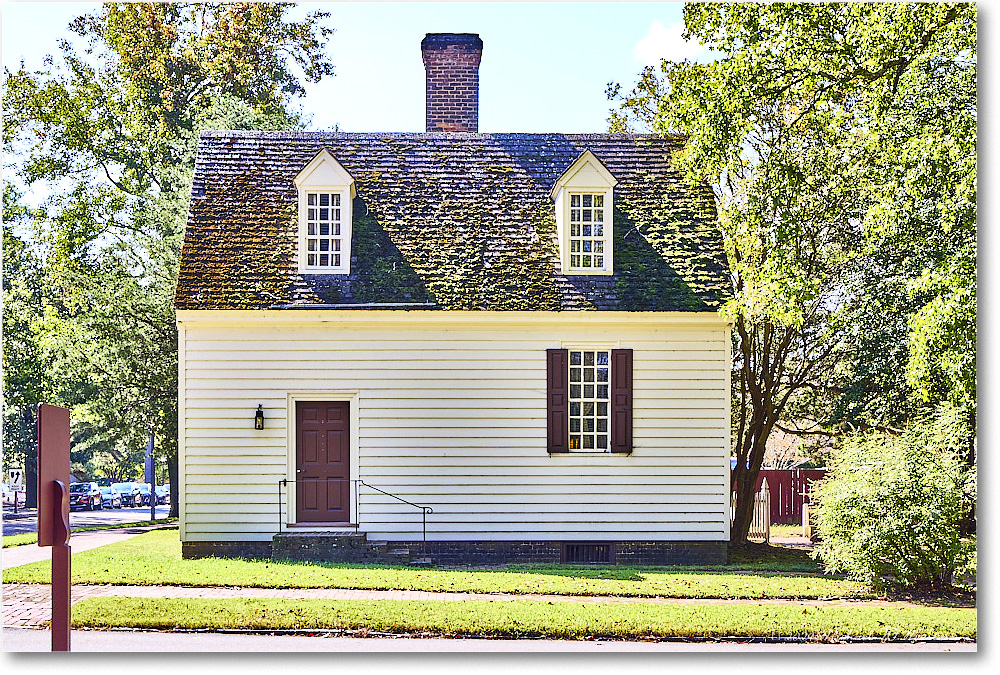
(595, 553)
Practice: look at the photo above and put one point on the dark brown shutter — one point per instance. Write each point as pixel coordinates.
(558, 400)
(621, 400)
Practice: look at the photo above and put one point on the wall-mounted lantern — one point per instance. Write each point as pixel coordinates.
(258, 419)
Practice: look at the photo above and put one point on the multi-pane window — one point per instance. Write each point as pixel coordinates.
(589, 400)
(324, 241)
(587, 238)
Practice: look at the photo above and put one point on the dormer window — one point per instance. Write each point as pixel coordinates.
(326, 191)
(586, 231)
(584, 205)
(324, 231)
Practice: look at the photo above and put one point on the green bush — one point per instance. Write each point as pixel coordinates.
(888, 512)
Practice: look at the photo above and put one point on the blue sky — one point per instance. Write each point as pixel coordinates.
(545, 65)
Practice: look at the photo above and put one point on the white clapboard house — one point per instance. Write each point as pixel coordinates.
(519, 332)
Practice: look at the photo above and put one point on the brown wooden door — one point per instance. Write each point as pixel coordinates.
(323, 462)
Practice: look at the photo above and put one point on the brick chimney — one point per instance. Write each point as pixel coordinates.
(452, 64)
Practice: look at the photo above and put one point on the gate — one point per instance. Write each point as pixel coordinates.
(760, 522)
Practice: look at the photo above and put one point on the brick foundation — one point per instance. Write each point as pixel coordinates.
(327, 547)
(671, 553)
(626, 553)
(355, 548)
(226, 549)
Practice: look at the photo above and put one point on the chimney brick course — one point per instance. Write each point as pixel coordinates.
(451, 63)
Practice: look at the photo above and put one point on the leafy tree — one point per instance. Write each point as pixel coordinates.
(96, 455)
(840, 141)
(112, 133)
(24, 287)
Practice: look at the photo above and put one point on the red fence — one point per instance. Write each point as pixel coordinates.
(787, 487)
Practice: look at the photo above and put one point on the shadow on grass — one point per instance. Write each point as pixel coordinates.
(951, 598)
(585, 572)
(756, 558)
(768, 557)
(580, 571)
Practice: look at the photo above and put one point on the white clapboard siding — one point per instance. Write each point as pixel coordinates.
(451, 411)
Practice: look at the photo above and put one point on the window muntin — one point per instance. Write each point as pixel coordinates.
(587, 229)
(589, 400)
(324, 239)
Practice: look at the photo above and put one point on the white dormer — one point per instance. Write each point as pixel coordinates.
(584, 206)
(326, 191)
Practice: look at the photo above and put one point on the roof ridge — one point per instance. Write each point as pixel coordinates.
(222, 133)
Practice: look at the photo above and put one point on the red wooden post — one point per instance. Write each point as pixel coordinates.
(53, 513)
(61, 574)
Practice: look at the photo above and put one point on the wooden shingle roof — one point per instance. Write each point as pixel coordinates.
(448, 221)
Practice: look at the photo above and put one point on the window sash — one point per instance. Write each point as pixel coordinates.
(589, 415)
(588, 231)
(325, 236)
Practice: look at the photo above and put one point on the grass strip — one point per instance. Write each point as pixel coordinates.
(519, 619)
(32, 537)
(154, 559)
(20, 539)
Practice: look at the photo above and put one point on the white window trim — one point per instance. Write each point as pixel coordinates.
(588, 347)
(607, 224)
(325, 174)
(599, 181)
(346, 230)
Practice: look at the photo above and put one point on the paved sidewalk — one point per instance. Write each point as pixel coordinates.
(29, 605)
(28, 640)
(79, 542)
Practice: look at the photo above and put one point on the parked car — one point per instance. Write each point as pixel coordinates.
(130, 493)
(85, 496)
(162, 494)
(111, 498)
(144, 491)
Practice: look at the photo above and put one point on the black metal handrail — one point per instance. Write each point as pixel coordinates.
(357, 513)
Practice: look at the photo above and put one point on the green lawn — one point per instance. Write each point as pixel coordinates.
(527, 618)
(32, 537)
(20, 539)
(781, 530)
(155, 559)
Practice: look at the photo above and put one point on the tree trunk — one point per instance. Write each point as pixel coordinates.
(744, 484)
(29, 417)
(756, 419)
(743, 515)
(175, 494)
(763, 390)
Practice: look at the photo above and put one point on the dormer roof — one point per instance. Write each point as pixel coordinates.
(324, 171)
(586, 172)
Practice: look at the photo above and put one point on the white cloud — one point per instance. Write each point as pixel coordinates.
(665, 42)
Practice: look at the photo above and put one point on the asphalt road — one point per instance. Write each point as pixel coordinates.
(27, 521)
